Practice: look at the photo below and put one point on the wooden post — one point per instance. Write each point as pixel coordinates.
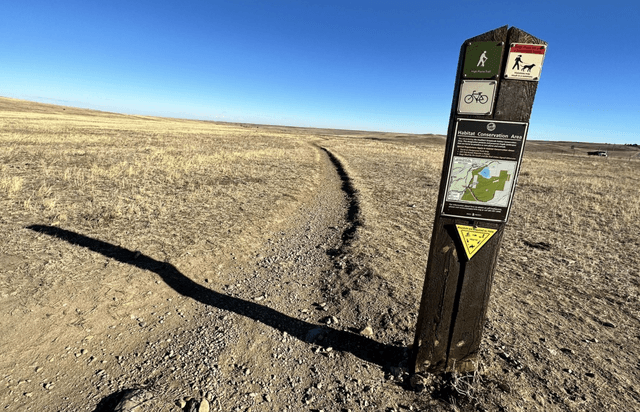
(485, 141)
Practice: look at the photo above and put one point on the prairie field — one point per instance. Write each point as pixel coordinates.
(266, 268)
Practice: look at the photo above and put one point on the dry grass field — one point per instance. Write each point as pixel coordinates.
(216, 203)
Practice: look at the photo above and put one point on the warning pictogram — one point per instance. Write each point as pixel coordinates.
(525, 61)
(473, 238)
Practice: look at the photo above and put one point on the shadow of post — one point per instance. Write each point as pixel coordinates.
(360, 346)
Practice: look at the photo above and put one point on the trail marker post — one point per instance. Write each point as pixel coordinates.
(497, 78)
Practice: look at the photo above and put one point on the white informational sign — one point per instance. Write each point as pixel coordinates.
(525, 61)
(477, 96)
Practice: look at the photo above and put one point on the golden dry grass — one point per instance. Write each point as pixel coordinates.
(165, 187)
(397, 185)
(544, 302)
(173, 189)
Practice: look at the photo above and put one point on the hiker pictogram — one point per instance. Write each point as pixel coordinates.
(483, 59)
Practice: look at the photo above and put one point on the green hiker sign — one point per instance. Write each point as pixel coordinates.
(482, 60)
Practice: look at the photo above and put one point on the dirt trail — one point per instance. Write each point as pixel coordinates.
(283, 330)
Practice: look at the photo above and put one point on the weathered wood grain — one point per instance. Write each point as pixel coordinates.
(456, 292)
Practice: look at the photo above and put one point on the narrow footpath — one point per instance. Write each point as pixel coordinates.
(279, 332)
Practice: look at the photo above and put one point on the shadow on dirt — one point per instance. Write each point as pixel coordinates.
(360, 346)
(109, 403)
(127, 400)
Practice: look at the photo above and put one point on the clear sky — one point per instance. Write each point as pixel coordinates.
(368, 65)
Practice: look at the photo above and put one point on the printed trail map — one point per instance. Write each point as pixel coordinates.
(482, 181)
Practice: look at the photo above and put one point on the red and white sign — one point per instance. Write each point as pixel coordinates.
(525, 61)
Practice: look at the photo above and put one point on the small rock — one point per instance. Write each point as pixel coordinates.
(590, 374)
(204, 406)
(608, 325)
(267, 398)
(367, 331)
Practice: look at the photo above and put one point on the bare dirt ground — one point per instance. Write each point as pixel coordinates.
(258, 268)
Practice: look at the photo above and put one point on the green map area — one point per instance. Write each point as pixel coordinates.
(482, 189)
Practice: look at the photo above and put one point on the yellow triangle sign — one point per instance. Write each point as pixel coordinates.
(473, 238)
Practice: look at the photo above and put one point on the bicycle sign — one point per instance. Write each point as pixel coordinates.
(476, 97)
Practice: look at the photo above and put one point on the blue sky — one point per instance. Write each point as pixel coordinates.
(367, 65)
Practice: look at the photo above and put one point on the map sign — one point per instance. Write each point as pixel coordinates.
(481, 180)
(483, 169)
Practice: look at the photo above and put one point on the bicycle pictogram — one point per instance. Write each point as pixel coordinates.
(478, 96)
